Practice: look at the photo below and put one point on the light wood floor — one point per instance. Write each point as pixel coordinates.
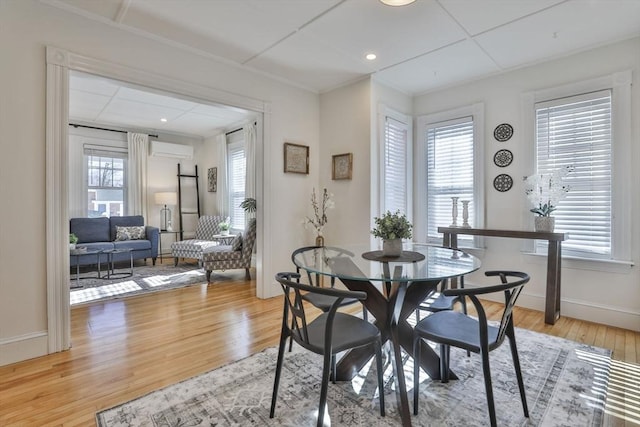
(124, 349)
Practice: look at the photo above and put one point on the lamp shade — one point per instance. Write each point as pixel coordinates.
(166, 198)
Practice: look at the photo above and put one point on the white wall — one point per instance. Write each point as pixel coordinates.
(349, 123)
(345, 128)
(161, 171)
(26, 28)
(593, 291)
(209, 156)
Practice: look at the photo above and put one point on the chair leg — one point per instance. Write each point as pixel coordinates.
(516, 364)
(247, 274)
(378, 349)
(444, 363)
(324, 386)
(276, 381)
(175, 261)
(291, 336)
(333, 368)
(486, 370)
(208, 276)
(416, 373)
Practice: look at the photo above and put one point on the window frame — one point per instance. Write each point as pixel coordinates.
(384, 113)
(104, 152)
(476, 111)
(232, 145)
(620, 85)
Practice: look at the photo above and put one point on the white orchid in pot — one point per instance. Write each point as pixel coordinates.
(544, 191)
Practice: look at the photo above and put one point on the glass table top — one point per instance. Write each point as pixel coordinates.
(418, 262)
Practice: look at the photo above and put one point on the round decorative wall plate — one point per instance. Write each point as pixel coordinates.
(503, 132)
(503, 158)
(503, 182)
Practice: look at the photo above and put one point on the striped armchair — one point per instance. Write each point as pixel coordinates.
(227, 257)
(208, 226)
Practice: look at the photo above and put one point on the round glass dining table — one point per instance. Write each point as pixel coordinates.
(395, 287)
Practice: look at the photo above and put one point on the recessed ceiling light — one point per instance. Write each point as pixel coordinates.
(397, 2)
(370, 56)
(163, 120)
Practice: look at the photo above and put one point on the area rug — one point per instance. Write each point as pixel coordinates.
(565, 382)
(145, 279)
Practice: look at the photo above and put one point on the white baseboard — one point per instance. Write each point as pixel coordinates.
(23, 347)
(607, 315)
(583, 310)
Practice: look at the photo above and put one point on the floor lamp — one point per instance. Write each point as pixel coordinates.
(166, 199)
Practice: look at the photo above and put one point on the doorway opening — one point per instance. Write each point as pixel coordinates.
(60, 65)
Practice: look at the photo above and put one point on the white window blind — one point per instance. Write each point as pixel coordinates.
(395, 184)
(450, 173)
(236, 162)
(576, 131)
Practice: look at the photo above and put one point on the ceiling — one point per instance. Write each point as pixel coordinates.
(320, 45)
(101, 102)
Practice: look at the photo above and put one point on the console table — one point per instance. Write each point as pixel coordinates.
(554, 258)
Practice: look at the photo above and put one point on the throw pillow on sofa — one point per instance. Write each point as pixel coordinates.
(130, 233)
(236, 244)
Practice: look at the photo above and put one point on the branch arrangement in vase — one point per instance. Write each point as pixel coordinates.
(320, 208)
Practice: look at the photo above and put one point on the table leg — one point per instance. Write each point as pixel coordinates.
(78, 272)
(398, 369)
(554, 268)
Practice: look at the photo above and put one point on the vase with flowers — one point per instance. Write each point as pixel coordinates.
(319, 219)
(225, 226)
(392, 228)
(544, 191)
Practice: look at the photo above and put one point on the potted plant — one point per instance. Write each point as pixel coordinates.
(249, 205)
(544, 191)
(73, 239)
(224, 227)
(392, 228)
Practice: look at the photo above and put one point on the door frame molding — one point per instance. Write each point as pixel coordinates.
(59, 63)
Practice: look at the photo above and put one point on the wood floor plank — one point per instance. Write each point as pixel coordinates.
(123, 349)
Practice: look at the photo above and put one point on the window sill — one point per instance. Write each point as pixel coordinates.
(577, 263)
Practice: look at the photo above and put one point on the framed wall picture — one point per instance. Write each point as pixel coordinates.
(212, 179)
(296, 158)
(342, 167)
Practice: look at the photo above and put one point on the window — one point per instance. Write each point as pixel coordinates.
(396, 167)
(237, 172)
(451, 158)
(106, 182)
(587, 125)
(576, 131)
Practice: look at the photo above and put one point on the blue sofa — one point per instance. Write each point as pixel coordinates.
(100, 233)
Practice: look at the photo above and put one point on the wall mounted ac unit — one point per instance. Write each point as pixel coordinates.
(167, 149)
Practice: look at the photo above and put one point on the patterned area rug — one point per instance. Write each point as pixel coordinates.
(145, 279)
(565, 382)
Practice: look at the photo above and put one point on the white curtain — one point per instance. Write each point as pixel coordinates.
(250, 157)
(137, 174)
(223, 192)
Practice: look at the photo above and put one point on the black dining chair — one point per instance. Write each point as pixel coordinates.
(451, 328)
(328, 334)
(438, 301)
(324, 302)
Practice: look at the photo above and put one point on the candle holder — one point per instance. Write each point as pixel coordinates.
(465, 214)
(454, 211)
